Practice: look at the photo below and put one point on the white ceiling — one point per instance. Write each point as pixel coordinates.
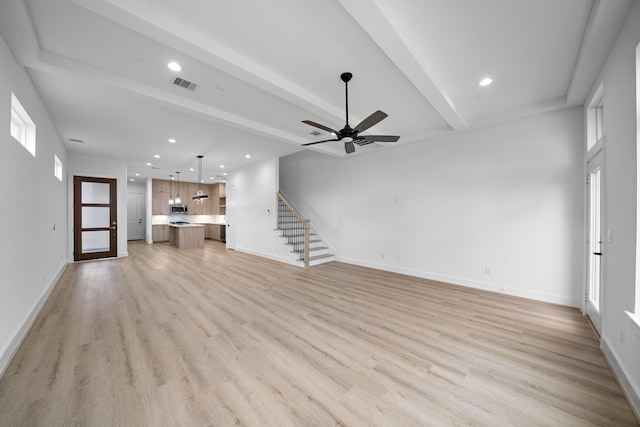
(262, 67)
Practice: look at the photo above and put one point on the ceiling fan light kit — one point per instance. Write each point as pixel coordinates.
(350, 136)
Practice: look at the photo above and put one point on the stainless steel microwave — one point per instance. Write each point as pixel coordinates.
(178, 209)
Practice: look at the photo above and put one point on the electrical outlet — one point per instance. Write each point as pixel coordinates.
(487, 271)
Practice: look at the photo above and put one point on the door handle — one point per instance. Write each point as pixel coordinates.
(598, 253)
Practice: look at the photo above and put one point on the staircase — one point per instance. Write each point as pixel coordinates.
(295, 231)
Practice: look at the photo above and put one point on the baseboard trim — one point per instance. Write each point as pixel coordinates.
(630, 389)
(268, 256)
(538, 296)
(10, 350)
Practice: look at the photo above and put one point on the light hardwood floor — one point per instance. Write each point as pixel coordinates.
(214, 337)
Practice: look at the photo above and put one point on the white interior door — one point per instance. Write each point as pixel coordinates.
(594, 240)
(231, 216)
(135, 224)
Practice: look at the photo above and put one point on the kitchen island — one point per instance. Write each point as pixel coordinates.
(186, 236)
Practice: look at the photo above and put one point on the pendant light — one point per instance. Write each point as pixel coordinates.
(200, 197)
(171, 201)
(178, 201)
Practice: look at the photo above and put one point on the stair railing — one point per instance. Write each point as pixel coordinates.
(294, 227)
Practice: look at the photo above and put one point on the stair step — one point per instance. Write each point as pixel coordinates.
(296, 235)
(316, 248)
(316, 258)
(311, 242)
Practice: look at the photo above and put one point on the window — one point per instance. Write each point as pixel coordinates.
(57, 167)
(22, 127)
(636, 314)
(595, 120)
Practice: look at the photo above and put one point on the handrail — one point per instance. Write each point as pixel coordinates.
(290, 206)
(305, 223)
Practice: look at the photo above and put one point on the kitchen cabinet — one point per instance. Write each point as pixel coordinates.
(215, 232)
(163, 190)
(218, 189)
(161, 186)
(160, 197)
(186, 236)
(160, 204)
(160, 233)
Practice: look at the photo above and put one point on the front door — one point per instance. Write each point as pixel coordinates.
(95, 225)
(594, 241)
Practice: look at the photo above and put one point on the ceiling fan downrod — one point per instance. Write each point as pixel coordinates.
(346, 77)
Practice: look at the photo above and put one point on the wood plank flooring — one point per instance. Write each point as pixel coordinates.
(201, 337)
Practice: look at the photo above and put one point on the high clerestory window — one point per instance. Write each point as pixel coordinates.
(57, 167)
(22, 128)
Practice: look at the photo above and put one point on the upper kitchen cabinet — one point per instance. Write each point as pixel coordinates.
(218, 189)
(160, 197)
(161, 186)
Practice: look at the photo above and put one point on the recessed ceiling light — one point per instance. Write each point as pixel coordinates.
(225, 174)
(137, 174)
(486, 81)
(148, 164)
(174, 66)
(211, 177)
(191, 169)
(157, 156)
(131, 179)
(171, 140)
(247, 156)
(221, 166)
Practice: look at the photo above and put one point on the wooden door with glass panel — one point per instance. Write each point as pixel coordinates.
(95, 218)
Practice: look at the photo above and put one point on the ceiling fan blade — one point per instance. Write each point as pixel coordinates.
(319, 142)
(319, 126)
(381, 138)
(372, 120)
(349, 147)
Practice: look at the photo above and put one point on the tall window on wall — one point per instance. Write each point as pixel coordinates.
(636, 313)
(594, 167)
(22, 129)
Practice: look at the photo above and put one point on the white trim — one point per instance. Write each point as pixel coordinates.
(12, 347)
(629, 387)
(538, 296)
(268, 256)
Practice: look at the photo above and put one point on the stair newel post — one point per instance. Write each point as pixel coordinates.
(306, 223)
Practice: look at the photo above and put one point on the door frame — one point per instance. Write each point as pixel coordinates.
(231, 213)
(140, 220)
(595, 315)
(77, 218)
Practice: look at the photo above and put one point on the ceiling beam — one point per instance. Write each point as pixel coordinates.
(378, 19)
(153, 23)
(605, 21)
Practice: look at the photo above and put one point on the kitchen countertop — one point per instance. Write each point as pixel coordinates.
(185, 225)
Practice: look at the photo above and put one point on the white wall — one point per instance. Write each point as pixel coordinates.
(256, 188)
(505, 200)
(99, 167)
(32, 252)
(620, 335)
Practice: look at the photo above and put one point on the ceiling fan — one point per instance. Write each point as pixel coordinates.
(352, 136)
